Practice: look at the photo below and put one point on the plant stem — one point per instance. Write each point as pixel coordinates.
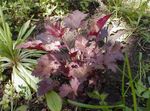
(140, 66)
(89, 106)
(12, 103)
(123, 84)
(131, 83)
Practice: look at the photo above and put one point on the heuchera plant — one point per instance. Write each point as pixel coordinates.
(64, 69)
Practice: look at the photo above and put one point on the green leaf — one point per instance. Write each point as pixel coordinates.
(24, 33)
(22, 108)
(148, 105)
(89, 106)
(54, 101)
(20, 84)
(146, 94)
(23, 29)
(27, 77)
(5, 32)
(140, 108)
(149, 80)
(128, 109)
(28, 33)
(95, 95)
(140, 88)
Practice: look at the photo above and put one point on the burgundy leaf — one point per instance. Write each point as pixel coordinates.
(46, 85)
(47, 65)
(101, 22)
(73, 54)
(65, 70)
(55, 29)
(74, 19)
(97, 26)
(37, 44)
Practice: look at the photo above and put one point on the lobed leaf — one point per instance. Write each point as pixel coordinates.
(113, 53)
(39, 45)
(47, 65)
(47, 85)
(65, 90)
(55, 29)
(71, 89)
(74, 19)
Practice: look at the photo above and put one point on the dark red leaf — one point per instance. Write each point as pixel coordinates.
(101, 22)
(37, 44)
(97, 26)
(55, 29)
(73, 54)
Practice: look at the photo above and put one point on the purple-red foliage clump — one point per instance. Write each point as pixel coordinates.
(64, 69)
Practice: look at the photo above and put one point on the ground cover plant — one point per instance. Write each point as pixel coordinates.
(77, 61)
